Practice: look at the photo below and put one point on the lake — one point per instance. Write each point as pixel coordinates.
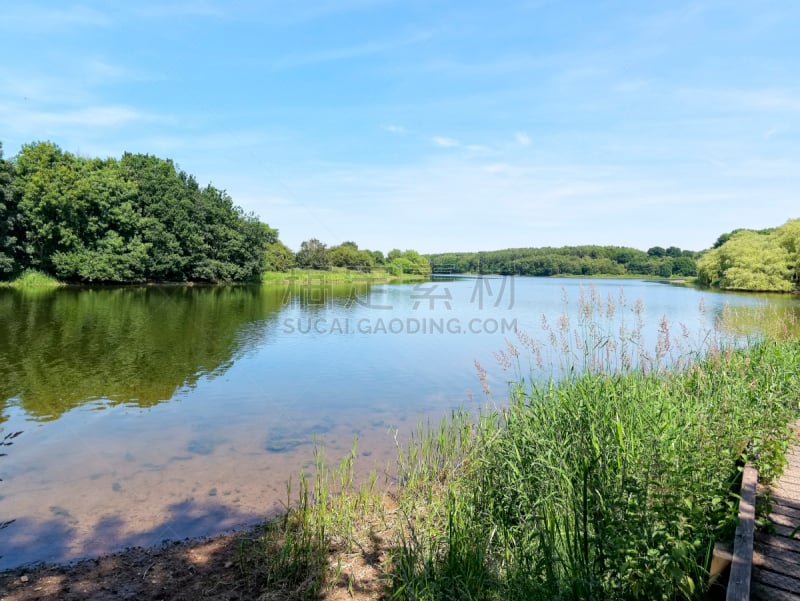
(153, 413)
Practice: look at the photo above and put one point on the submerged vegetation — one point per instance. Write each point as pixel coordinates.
(612, 481)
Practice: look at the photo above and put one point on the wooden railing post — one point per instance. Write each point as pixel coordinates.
(742, 564)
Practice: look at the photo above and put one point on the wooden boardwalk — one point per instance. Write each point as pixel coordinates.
(776, 557)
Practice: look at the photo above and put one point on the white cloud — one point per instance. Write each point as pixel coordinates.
(499, 168)
(287, 13)
(348, 52)
(763, 100)
(172, 10)
(479, 148)
(395, 129)
(522, 138)
(95, 116)
(445, 142)
(25, 17)
(514, 203)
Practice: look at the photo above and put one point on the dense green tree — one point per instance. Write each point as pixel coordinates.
(366, 261)
(279, 257)
(665, 269)
(135, 219)
(750, 260)
(8, 219)
(345, 255)
(313, 254)
(348, 255)
(684, 265)
(788, 236)
(568, 260)
(408, 262)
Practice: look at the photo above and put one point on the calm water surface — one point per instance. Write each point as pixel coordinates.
(160, 413)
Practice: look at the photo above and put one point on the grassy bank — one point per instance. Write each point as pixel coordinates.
(606, 486)
(32, 279)
(335, 275)
(612, 483)
(36, 279)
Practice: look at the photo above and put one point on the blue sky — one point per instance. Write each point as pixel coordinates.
(433, 125)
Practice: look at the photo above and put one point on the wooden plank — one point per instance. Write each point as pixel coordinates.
(763, 591)
(787, 521)
(787, 532)
(786, 488)
(742, 564)
(784, 501)
(773, 551)
(785, 510)
(781, 542)
(774, 564)
(781, 581)
(790, 479)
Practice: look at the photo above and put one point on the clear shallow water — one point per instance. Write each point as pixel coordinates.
(160, 413)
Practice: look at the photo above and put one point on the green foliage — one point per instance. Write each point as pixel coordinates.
(767, 260)
(279, 257)
(347, 255)
(313, 254)
(613, 483)
(788, 236)
(8, 218)
(570, 260)
(30, 278)
(134, 219)
(300, 554)
(316, 255)
(407, 262)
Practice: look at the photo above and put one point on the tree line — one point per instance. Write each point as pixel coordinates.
(315, 254)
(571, 260)
(138, 218)
(755, 260)
(141, 218)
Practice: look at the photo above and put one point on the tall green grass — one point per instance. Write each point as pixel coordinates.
(612, 481)
(299, 555)
(611, 478)
(33, 279)
(333, 275)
